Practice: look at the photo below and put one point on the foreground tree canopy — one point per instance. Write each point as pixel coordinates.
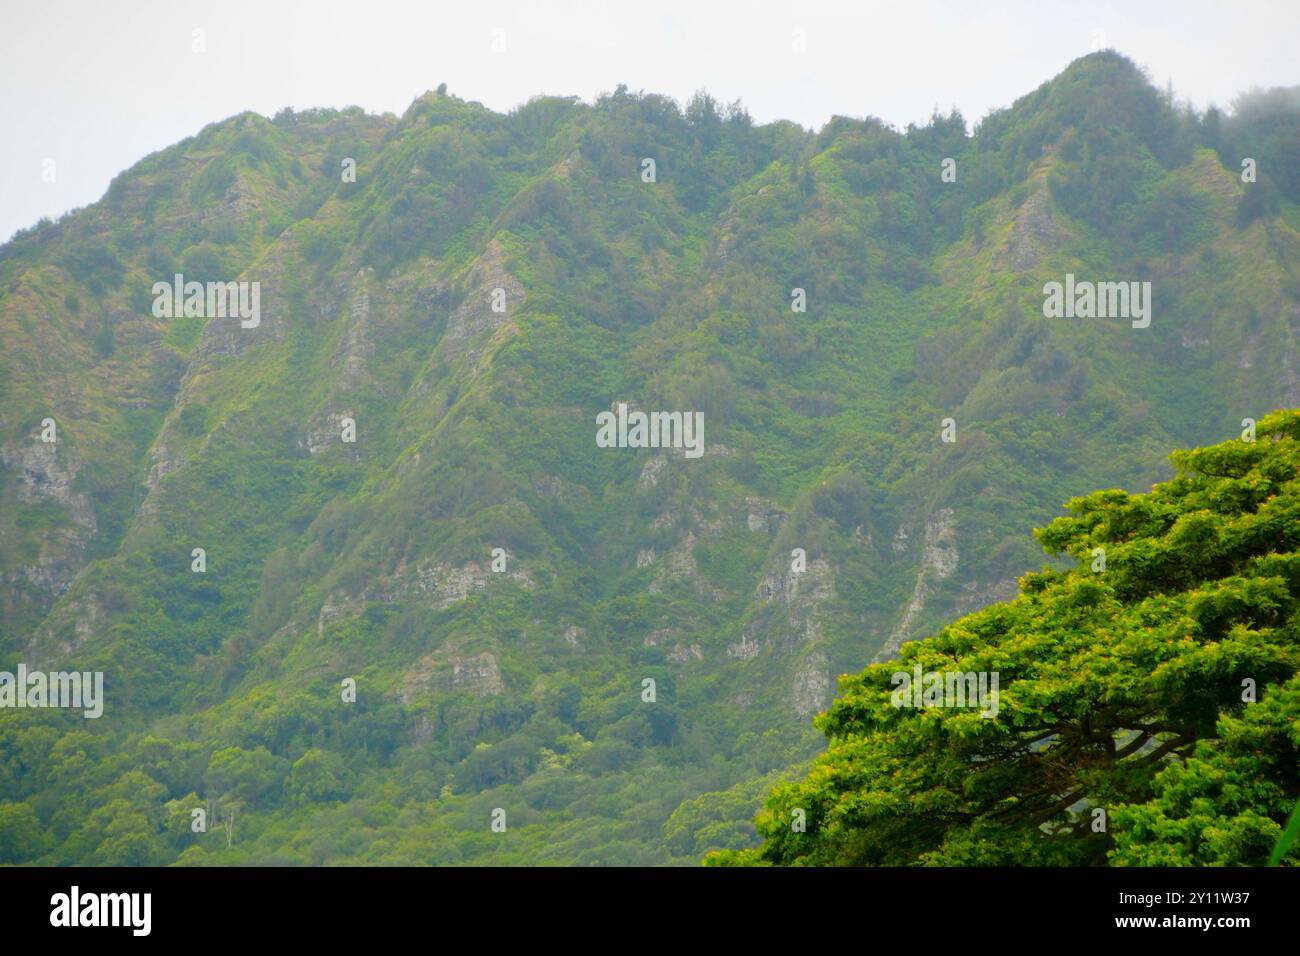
(1160, 688)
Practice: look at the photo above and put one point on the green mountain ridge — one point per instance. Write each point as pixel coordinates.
(372, 560)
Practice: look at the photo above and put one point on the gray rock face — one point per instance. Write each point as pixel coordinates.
(686, 653)
(762, 517)
(46, 472)
(69, 625)
(799, 590)
(975, 596)
(444, 585)
(356, 348)
(473, 322)
(650, 471)
(938, 561)
(327, 431)
(679, 564)
(446, 670)
(163, 461)
(1035, 232)
(790, 603)
(812, 685)
(478, 674)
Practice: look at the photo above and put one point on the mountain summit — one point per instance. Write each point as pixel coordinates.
(361, 574)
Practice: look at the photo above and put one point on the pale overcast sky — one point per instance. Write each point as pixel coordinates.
(99, 84)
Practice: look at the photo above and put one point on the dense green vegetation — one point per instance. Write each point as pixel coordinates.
(371, 561)
(1147, 708)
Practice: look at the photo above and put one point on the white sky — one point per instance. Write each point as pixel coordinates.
(99, 84)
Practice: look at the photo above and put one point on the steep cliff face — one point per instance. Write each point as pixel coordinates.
(938, 562)
(395, 479)
(46, 476)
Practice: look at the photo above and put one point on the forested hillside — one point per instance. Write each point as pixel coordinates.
(1147, 700)
(614, 654)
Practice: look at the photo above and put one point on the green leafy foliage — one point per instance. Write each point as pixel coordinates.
(1121, 691)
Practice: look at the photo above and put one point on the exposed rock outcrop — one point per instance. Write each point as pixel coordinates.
(356, 348)
(474, 322)
(812, 685)
(44, 472)
(444, 585)
(938, 561)
(325, 431)
(788, 615)
(446, 670)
